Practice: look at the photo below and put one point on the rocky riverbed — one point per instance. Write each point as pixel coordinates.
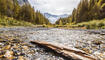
(15, 42)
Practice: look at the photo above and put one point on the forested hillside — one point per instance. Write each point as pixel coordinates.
(87, 10)
(12, 9)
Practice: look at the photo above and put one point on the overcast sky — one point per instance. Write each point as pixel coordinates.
(56, 7)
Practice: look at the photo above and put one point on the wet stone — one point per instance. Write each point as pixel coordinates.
(14, 49)
(19, 38)
(9, 54)
(97, 42)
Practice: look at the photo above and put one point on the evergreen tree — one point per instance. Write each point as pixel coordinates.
(16, 9)
(11, 8)
(26, 13)
(87, 10)
(3, 7)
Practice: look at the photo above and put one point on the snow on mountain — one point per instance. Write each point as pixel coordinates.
(53, 18)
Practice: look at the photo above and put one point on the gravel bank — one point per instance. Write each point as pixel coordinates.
(90, 41)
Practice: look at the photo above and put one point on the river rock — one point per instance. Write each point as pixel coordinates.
(9, 54)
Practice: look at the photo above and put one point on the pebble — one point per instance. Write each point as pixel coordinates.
(7, 47)
(21, 58)
(25, 47)
(17, 40)
(9, 54)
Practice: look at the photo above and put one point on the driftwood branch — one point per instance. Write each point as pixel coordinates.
(67, 52)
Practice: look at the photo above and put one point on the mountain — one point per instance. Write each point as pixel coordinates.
(22, 2)
(53, 18)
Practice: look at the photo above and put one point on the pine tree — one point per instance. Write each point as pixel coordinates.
(16, 9)
(3, 7)
(87, 10)
(9, 11)
(26, 13)
(11, 8)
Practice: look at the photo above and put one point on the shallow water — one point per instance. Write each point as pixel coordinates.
(79, 39)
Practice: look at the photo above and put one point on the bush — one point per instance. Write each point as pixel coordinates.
(94, 24)
(100, 24)
(12, 22)
(87, 26)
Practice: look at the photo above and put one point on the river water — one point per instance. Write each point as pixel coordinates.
(80, 39)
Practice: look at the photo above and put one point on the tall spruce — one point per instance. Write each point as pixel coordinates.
(87, 10)
(11, 8)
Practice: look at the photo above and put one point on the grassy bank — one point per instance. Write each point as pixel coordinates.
(6, 21)
(94, 24)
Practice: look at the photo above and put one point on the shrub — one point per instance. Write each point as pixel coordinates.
(12, 22)
(94, 24)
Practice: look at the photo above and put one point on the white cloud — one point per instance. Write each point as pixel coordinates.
(56, 7)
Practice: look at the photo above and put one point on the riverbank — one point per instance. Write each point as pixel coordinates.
(90, 41)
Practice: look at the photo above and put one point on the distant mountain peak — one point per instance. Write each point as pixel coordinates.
(53, 18)
(48, 15)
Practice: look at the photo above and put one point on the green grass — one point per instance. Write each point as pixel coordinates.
(6, 21)
(94, 24)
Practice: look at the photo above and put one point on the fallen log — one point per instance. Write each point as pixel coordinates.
(67, 52)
